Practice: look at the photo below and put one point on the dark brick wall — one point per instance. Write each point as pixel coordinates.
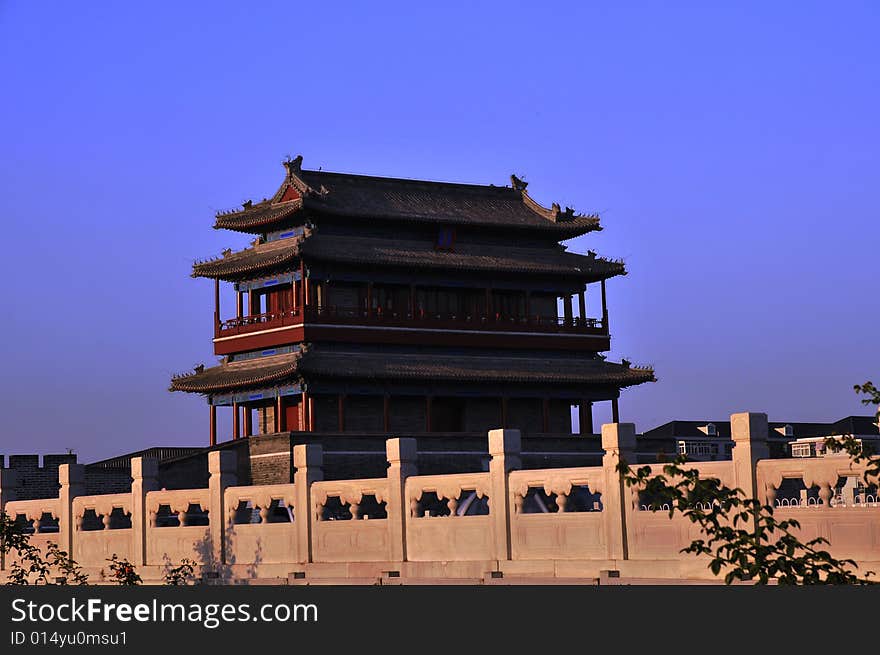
(482, 414)
(266, 465)
(525, 414)
(407, 414)
(107, 481)
(35, 481)
(326, 409)
(364, 414)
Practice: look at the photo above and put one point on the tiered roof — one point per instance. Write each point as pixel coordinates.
(411, 366)
(546, 260)
(412, 201)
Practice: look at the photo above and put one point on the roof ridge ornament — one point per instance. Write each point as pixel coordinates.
(518, 184)
(293, 166)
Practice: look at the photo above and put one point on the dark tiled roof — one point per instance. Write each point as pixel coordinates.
(260, 257)
(260, 215)
(541, 259)
(411, 366)
(471, 257)
(441, 202)
(856, 425)
(418, 201)
(237, 375)
(471, 368)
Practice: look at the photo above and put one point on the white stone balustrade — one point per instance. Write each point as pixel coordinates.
(558, 523)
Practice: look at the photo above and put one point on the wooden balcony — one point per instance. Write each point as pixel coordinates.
(257, 323)
(348, 324)
(461, 321)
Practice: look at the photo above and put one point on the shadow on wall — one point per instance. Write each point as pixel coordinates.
(216, 572)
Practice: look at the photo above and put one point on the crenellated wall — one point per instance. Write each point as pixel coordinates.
(573, 524)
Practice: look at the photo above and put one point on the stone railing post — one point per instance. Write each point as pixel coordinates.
(221, 469)
(749, 433)
(144, 478)
(309, 462)
(401, 454)
(8, 485)
(73, 483)
(619, 443)
(504, 448)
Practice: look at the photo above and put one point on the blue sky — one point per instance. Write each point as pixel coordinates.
(732, 151)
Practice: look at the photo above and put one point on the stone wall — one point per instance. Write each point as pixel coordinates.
(35, 480)
(557, 524)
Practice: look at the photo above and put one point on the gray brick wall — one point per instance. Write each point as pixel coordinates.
(364, 414)
(482, 414)
(407, 414)
(524, 414)
(326, 409)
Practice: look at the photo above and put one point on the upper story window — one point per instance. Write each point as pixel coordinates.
(445, 238)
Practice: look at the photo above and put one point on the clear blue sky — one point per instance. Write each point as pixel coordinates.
(733, 152)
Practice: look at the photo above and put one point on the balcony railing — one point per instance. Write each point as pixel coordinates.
(428, 320)
(452, 321)
(258, 322)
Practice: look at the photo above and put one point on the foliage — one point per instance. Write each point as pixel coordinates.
(181, 574)
(122, 572)
(741, 536)
(858, 451)
(69, 571)
(29, 565)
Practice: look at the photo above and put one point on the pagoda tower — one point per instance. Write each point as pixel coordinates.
(381, 305)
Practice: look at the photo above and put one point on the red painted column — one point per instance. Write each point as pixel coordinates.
(213, 425)
(503, 411)
(248, 420)
(615, 411)
(304, 411)
(280, 419)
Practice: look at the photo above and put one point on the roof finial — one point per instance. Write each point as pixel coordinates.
(518, 184)
(247, 204)
(293, 166)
